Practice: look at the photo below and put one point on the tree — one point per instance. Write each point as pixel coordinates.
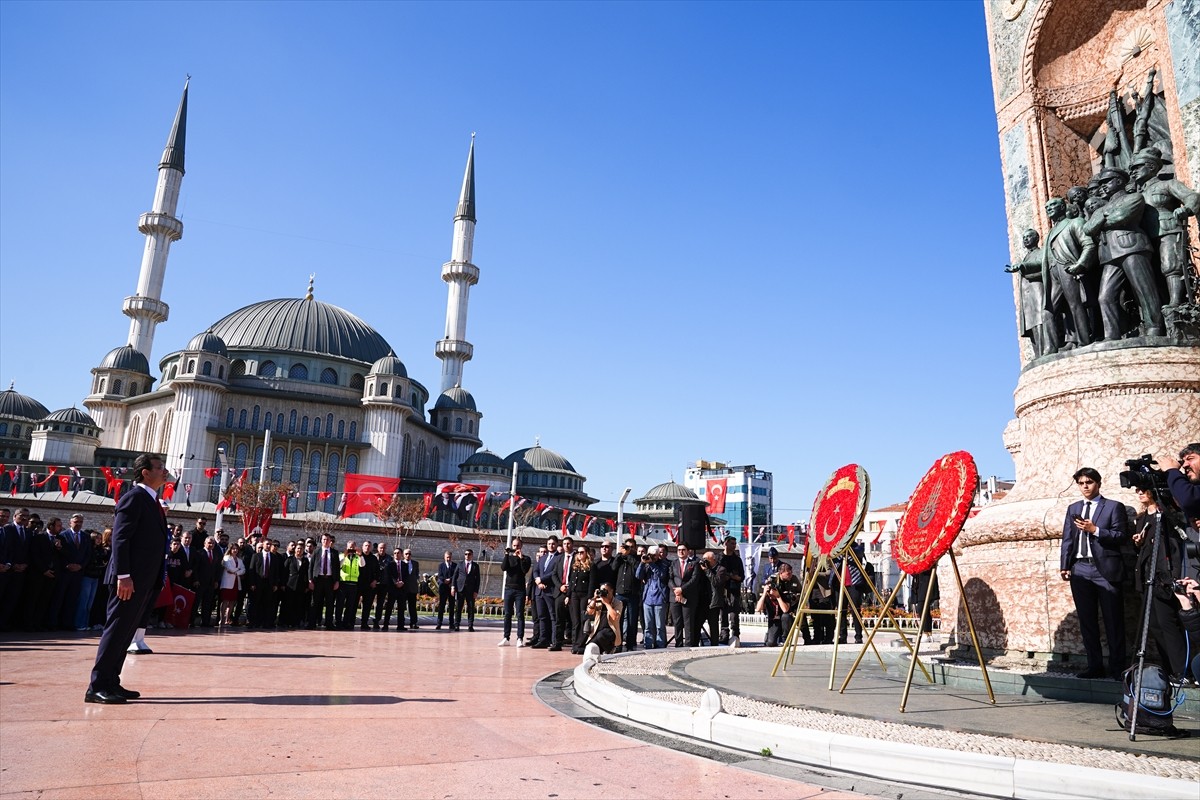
(258, 501)
(399, 517)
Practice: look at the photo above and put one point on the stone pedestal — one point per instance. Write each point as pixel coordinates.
(1079, 409)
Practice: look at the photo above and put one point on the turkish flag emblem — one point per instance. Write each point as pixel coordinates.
(716, 495)
(366, 492)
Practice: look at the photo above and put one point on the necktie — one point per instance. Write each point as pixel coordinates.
(267, 564)
(1085, 545)
(325, 562)
(566, 570)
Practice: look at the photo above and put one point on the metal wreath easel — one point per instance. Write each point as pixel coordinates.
(788, 651)
(915, 657)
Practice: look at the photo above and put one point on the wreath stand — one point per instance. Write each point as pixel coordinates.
(788, 651)
(915, 660)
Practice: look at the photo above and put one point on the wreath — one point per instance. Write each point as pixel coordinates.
(936, 512)
(839, 509)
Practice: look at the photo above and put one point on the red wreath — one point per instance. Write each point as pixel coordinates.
(839, 509)
(936, 512)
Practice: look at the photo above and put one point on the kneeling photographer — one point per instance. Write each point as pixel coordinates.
(605, 612)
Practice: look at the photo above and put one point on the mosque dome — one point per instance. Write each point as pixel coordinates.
(126, 358)
(456, 397)
(209, 342)
(539, 459)
(22, 406)
(483, 458)
(302, 325)
(670, 492)
(389, 365)
(71, 416)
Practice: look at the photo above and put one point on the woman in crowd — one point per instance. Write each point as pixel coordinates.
(232, 570)
(579, 582)
(101, 553)
(93, 571)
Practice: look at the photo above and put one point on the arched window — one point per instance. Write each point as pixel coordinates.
(351, 463)
(258, 458)
(329, 425)
(292, 421)
(267, 420)
(406, 456)
(294, 477)
(3, 429)
(341, 429)
(445, 423)
(458, 425)
(470, 426)
(356, 381)
(314, 480)
(229, 418)
(329, 375)
(413, 400)
(131, 433)
(421, 458)
(151, 425)
(266, 369)
(117, 386)
(304, 426)
(331, 481)
(435, 463)
(316, 426)
(237, 369)
(298, 372)
(242, 418)
(191, 367)
(397, 395)
(279, 423)
(133, 390)
(102, 380)
(239, 457)
(382, 389)
(220, 371)
(354, 431)
(171, 377)
(277, 458)
(207, 368)
(254, 420)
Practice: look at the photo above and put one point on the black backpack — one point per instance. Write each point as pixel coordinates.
(1156, 705)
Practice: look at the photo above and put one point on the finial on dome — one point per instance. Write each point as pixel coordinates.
(537, 441)
(312, 276)
(11, 384)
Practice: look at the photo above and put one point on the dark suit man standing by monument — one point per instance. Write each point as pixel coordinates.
(1118, 225)
(1069, 253)
(134, 576)
(1090, 558)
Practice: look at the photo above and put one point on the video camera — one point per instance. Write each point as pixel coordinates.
(1143, 475)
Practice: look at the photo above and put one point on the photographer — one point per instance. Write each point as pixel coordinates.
(781, 593)
(627, 588)
(515, 567)
(1187, 593)
(655, 574)
(731, 560)
(1183, 477)
(1164, 619)
(707, 584)
(606, 625)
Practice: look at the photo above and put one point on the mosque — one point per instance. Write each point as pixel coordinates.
(327, 386)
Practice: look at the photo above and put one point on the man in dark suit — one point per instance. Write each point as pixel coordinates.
(75, 554)
(134, 576)
(681, 612)
(546, 578)
(268, 567)
(15, 538)
(466, 589)
(408, 572)
(205, 575)
(1090, 558)
(445, 579)
(324, 579)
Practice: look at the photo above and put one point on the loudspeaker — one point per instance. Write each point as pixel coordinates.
(693, 527)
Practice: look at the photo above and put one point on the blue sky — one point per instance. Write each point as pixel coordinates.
(762, 233)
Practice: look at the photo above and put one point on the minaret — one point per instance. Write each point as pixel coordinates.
(146, 308)
(454, 350)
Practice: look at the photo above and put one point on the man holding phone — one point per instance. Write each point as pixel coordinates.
(1090, 558)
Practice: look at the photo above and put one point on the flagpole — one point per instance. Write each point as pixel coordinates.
(749, 508)
(262, 472)
(621, 510)
(220, 521)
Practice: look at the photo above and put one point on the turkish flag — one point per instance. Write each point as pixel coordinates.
(180, 612)
(64, 483)
(361, 492)
(716, 495)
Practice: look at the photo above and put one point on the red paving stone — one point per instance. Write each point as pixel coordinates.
(325, 714)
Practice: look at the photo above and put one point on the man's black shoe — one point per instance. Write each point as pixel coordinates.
(108, 698)
(438, 627)
(470, 629)
(1088, 674)
(540, 646)
(128, 694)
(556, 649)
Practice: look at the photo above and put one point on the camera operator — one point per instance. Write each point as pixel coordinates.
(606, 625)
(1164, 619)
(515, 567)
(1187, 593)
(707, 583)
(731, 560)
(781, 593)
(1183, 478)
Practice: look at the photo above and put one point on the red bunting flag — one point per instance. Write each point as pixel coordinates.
(64, 483)
(168, 491)
(587, 521)
(633, 527)
(283, 500)
(323, 496)
(428, 504)
(671, 532)
(212, 472)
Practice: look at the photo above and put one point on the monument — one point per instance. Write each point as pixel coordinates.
(1098, 109)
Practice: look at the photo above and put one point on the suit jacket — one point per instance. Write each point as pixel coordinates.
(75, 552)
(43, 555)
(409, 572)
(679, 574)
(207, 572)
(603, 572)
(1112, 529)
(549, 569)
(139, 540)
(446, 572)
(466, 579)
(16, 546)
(272, 577)
(335, 564)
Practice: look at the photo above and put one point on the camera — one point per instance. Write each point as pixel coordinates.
(1142, 475)
(646, 559)
(1179, 587)
(508, 550)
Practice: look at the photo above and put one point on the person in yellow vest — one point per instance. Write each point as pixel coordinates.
(347, 598)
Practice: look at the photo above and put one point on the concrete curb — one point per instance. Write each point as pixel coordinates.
(977, 773)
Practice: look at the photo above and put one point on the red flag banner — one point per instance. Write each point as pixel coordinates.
(212, 472)
(168, 491)
(716, 495)
(428, 504)
(363, 490)
(180, 612)
(64, 483)
(283, 498)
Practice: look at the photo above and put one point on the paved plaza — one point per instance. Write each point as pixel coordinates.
(327, 714)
